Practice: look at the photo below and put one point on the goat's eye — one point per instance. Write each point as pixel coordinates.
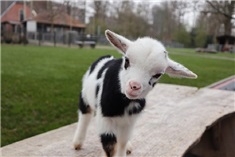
(157, 75)
(127, 63)
(153, 80)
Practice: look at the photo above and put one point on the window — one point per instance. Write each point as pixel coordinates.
(21, 15)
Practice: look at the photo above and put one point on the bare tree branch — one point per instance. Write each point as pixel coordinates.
(218, 10)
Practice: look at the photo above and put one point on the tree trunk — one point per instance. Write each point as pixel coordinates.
(227, 26)
(228, 21)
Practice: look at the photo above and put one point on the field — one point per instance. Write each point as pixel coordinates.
(40, 85)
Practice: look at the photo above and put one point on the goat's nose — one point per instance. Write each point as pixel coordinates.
(134, 85)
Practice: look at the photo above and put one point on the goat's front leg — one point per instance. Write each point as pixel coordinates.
(80, 134)
(129, 148)
(123, 143)
(113, 148)
(121, 149)
(109, 142)
(85, 115)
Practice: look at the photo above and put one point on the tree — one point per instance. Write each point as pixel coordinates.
(182, 36)
(131, 23)
(200, 37)
(81, 10)
(180, 8)
(164, 21)
(144, 10)
(224, 9)
(101, 9)
(210, 24)
(128, 18)
(54, 10)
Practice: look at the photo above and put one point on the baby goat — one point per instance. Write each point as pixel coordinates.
(116, 88)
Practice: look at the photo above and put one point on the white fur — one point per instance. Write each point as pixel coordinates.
(147, 57)
(90, 82)
(141, 71)
(80, 134)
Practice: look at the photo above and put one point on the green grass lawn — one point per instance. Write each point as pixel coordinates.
(40, 85)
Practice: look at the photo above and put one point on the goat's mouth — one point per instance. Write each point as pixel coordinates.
(132, 95)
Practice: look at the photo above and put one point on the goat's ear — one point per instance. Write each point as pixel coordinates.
(117, 41)
(175, 69)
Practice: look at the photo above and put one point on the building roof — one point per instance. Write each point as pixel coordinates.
(12, 10)
(12, 13)
(5, 5)
(59, 19)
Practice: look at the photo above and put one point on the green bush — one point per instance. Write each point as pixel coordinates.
(182, 36)
(200, 38)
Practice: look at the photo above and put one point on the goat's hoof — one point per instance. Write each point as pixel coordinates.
(129, 148)
(77, 146)
(128, 152)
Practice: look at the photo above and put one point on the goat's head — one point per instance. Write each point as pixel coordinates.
(144, 62)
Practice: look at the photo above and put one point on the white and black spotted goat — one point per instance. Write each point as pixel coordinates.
(116, 88)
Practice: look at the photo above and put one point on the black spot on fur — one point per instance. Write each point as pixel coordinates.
(154, 84)
(136, 110)
(97, 90)
(96, 62)
(157, 75)
(105, 66)
(151, 83)
(113, 102)
(108, 142)
(83, 107)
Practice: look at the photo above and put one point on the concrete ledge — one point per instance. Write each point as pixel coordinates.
(225, 84)
(175, 117)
